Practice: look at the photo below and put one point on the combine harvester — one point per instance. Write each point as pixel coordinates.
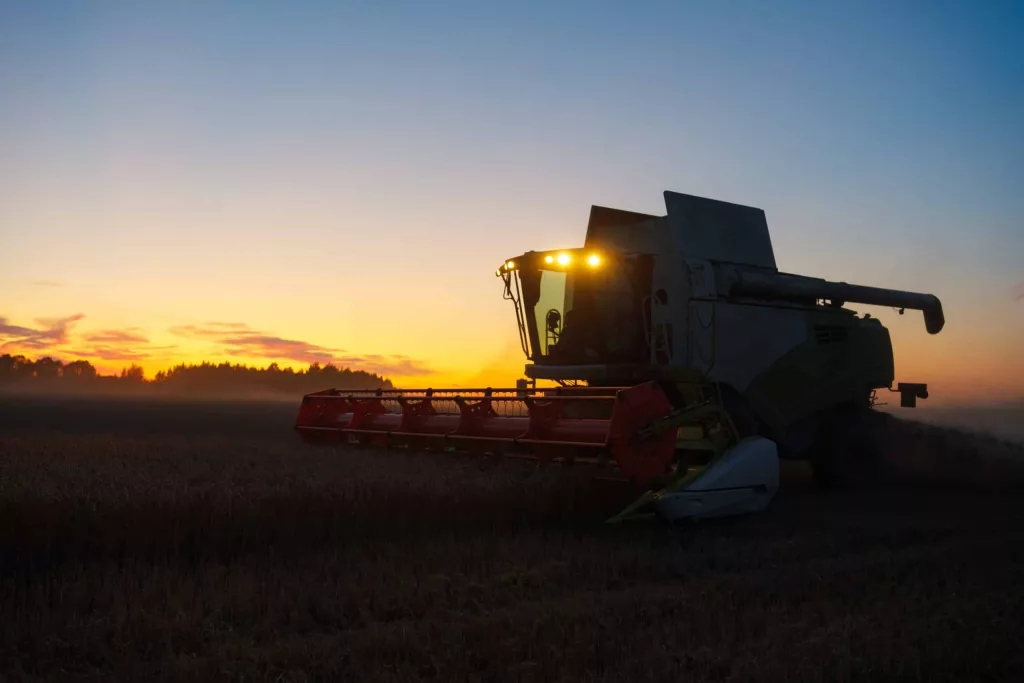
(677, 355)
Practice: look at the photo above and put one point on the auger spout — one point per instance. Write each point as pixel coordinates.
(781, 286)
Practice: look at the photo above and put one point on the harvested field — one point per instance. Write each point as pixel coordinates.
(167, 541)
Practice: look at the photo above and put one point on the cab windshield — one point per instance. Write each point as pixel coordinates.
(579, 308)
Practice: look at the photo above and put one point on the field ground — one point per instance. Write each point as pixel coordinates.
(190, 542)
(1005, 421)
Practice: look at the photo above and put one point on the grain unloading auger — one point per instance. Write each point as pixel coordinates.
(680, 358)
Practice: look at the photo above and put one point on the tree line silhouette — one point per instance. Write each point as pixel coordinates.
(19, 372)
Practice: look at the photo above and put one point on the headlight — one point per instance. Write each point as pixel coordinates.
(563, 259)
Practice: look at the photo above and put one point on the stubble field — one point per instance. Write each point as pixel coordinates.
(169, 541)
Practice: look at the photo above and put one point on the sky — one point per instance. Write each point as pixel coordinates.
(328, 181)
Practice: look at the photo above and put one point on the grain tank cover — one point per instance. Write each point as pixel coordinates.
(695, 228)
(719, 231)
(626, 231)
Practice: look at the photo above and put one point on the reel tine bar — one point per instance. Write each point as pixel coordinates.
(565, 424)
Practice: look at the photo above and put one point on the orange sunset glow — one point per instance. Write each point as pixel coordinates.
(187, 187)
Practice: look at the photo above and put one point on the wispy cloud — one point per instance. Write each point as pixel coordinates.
(127, 336)
(109, 353)
(50, 333)
(394, 365)
(228, 326)
(8, 330)
(239, 339)
(266, 346)
(212, 330)
(57, 338)
(115, 354)
(47, 283)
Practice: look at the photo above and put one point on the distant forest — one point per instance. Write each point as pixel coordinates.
(49, 374)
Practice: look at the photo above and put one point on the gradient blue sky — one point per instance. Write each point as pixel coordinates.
(339, 180)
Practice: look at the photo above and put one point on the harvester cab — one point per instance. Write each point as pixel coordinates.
(579, 307)
(671, 349)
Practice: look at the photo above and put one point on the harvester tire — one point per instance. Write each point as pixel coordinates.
(847, 454)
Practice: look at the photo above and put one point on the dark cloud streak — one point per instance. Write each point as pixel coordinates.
(109, 354)
(239, 339)
(52, 332)
(8, 330)
(113, 353)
